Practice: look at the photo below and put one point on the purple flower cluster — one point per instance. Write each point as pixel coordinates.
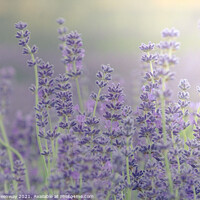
(108, 151)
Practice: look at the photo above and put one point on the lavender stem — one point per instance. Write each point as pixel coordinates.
(6, 142)
(78, 90)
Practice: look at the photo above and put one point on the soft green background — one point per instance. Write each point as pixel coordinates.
(106, 25)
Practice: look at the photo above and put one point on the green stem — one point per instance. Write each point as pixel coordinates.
(177, 194)
(165, 140)
(95, 107)
(148, 141)
(59, 130)
(67, 120)
(198, 111)
(98, 95)
(78, 90)
(111, 142)
(122, 194)
(81, 181)
(184, 132)
(179, 166)
(49, 119)
(5, 184)
(108, 195)
(177, 157)
(53, 151)
(20, 158)
(36, 103)
(97, 100)
(5, 187)
(52, 141)
(127, 171)
(48, 165)
(3, 131)
(47, 150)
(194, 192)
(151, 68)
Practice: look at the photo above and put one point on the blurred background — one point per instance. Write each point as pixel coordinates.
(112, 31)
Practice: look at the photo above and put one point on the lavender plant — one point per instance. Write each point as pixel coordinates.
(108, 151)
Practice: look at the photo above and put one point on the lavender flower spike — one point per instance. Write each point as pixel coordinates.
(184, 84)
(24, 38)
(170, 33)
(148, 47)
(21, 25)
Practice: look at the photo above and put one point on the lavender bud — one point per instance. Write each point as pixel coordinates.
(20, 25)
(170, 33)
(147, 48)
(60, 20)
(184, 84)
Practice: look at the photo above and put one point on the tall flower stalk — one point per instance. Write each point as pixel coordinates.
(165, 60)
(24, 36)
(73, 54)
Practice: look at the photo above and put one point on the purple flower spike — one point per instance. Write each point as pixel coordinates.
(148, 47)
(170, 33)
(149, 58)
(21, 25)
(184, 84)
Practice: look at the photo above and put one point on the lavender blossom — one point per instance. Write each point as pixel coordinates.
(73, 53)
(170, 33)
(147, 48)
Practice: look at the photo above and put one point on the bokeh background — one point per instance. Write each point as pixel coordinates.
(112, 31)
